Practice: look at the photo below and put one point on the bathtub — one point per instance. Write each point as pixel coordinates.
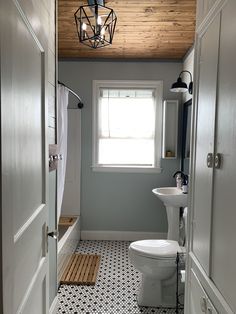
(69, 236)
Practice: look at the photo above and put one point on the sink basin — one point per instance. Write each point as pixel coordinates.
(171, 196)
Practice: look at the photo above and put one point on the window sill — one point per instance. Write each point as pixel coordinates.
(126, 169)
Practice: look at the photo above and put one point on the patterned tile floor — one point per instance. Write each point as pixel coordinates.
(116, 286)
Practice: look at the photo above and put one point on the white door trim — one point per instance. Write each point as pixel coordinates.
(54, 306)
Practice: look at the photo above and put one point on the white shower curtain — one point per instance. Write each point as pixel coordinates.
(63, 95)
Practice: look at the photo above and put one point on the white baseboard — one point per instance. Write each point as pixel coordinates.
(121, 235)
(54, 307)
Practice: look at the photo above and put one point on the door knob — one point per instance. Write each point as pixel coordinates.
(53, 234)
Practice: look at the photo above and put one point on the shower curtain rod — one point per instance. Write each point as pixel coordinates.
(80, 104)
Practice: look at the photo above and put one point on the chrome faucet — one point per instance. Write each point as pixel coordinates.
(181, 181)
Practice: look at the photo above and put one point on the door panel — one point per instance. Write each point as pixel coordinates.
(27, 70)
(205, 143)
(224, 213)
(28, 261)
(36, 300)
(24, 166)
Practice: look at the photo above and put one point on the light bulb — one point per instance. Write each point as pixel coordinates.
(84, 27)
(103, 31)
(99, 20)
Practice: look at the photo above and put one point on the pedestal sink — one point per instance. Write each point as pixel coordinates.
(173, 198)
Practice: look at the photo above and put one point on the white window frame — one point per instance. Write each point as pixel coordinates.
(158, 87)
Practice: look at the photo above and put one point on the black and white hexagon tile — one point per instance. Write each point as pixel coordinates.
(116, 287)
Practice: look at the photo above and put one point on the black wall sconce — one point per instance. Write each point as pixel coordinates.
(180, 86)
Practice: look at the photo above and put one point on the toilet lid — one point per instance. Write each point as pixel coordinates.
(156, 248)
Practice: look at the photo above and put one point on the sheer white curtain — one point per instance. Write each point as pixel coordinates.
(63, 96)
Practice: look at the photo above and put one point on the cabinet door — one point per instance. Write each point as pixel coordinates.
(224, 209)
(205, 143)
(199, 301)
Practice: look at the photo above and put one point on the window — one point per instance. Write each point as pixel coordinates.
(127, 125)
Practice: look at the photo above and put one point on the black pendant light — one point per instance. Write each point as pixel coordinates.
(95, 24)
(180, 86)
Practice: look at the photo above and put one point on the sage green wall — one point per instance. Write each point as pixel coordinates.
(119, 201)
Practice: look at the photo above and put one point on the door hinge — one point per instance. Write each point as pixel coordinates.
(209, 160)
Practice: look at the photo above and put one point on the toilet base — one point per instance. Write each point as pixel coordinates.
(152, 294)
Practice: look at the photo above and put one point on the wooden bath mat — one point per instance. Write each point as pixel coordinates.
(82, 269)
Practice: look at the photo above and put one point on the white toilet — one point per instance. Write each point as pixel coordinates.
(156, 261)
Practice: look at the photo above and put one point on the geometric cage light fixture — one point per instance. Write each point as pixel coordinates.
(180, 86)
(95, 24)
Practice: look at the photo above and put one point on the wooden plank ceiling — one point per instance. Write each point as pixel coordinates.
(146, 29)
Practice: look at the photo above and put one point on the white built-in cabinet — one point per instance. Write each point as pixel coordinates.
(211, 267)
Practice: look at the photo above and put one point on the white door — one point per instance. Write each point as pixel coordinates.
(24, 165)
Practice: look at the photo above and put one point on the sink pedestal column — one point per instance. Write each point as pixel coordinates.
(173, 223)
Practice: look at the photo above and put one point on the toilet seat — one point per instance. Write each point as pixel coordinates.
(156, 249)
